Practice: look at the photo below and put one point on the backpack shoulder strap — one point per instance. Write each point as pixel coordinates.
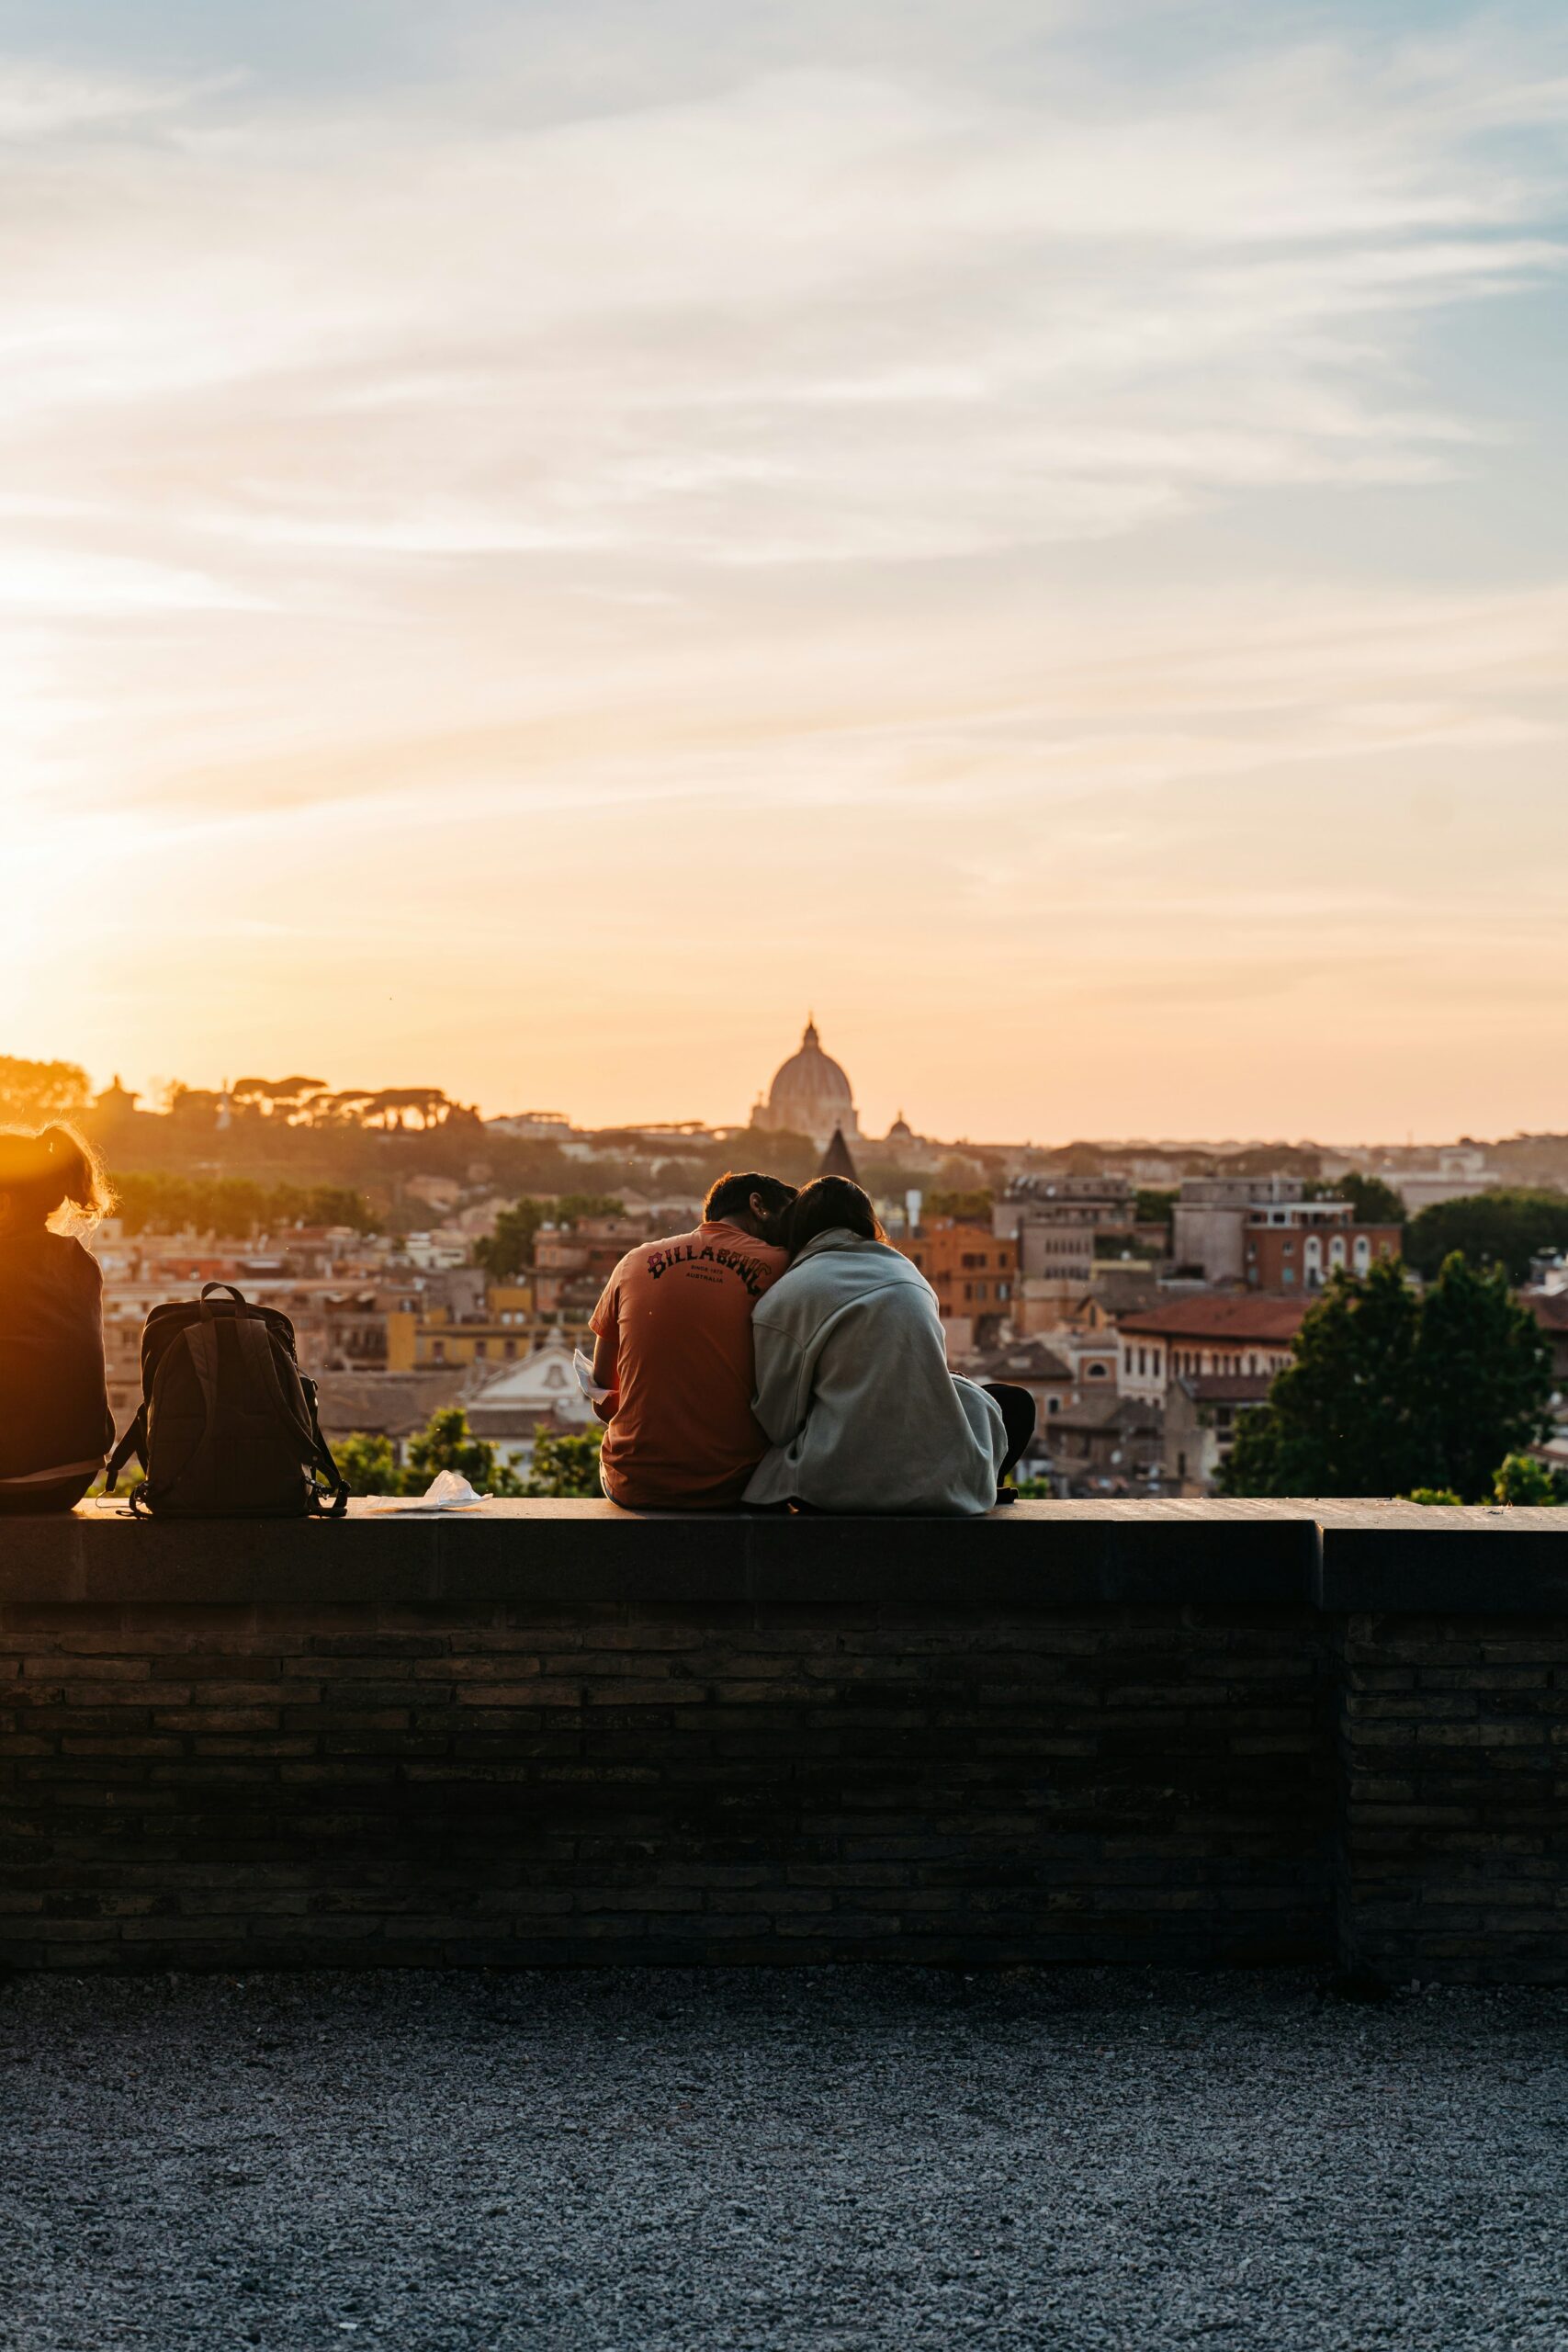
(201, 1349)
(336, 1482)
(134, 1441)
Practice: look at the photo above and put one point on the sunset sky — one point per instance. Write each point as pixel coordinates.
(540, 542)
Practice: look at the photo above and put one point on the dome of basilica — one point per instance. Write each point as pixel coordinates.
(810, 1095)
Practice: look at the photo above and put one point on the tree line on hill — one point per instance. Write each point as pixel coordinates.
(237, 1208)
(291, 1130)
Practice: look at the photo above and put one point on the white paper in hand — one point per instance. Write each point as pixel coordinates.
(583, 1366)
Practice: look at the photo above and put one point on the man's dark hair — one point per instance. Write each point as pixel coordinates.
(828, 1204)
(731, 1195)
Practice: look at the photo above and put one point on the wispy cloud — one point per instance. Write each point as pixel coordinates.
(43, 101)
(935, 423)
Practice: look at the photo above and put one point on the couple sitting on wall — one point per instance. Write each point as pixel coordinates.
(783, 1355)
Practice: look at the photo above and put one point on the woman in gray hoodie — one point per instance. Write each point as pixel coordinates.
(853, 1390)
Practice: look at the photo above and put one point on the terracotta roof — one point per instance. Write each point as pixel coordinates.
(1024, 1360)
(1550, 1307)
(522, 1420)
(1132, 1414)
(1241, 1316)
(1228, 1387)
(386, 1404)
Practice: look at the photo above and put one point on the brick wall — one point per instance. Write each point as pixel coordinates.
(1455, 1742)
(555, 1733)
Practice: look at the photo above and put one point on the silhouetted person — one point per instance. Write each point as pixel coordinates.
(55, 1424)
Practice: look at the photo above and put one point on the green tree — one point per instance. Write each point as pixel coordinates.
(1494, 1228)
(338, 1204)
(1338, 1417)
(1153, 1206)
(1389, 1390)
(1522, 1479)
(156, 1201)
(509, 1250)
(970, 1205)
(564, 1465)
(367, 1464)
(32, 1093)
(1482, 1375)
(576, 1208)
(446, 1442)
(1430, 1495)
(1373, 1202)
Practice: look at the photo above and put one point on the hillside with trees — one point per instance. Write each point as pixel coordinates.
(273, 1151)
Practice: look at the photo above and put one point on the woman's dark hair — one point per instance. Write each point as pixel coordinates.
(829, 1205)
(42, 1172)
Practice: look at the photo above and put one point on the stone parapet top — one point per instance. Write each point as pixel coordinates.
(1343, 1557)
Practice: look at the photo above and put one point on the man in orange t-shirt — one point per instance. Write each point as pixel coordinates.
(673, 1333)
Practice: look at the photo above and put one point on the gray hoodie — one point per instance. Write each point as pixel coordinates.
(854, 1392)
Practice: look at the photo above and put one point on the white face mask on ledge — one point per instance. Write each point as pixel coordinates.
(448, 1490)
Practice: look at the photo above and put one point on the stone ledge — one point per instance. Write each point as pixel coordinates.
(1342, 1558)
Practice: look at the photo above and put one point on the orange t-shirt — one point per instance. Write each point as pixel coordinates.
(682, 1436)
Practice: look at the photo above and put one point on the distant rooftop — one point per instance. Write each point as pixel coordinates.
(1241, 1317)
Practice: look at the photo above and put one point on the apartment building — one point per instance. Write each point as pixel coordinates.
(1208, 1334)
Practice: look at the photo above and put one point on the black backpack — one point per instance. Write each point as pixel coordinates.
(227, 1426)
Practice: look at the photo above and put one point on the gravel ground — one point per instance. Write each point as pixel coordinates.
(839, 2158)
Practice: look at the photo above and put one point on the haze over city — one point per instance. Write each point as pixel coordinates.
(540, 545)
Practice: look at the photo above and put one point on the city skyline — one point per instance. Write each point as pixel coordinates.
(865, 1133)
(537, 548)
